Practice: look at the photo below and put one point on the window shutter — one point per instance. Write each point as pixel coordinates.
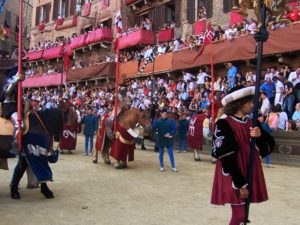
(55, 9)
(158, 17)
(67, 6)
(72, 7)
(227, 5)
(177, 12)
(48, 8)
(37, 16)
(191, 11)
(209, 8)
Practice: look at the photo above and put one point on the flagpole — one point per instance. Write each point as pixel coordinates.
(19, 106)
(116, 86)
(261, 36)
(213, 86)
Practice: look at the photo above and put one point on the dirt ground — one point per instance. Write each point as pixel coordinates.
(95, 194)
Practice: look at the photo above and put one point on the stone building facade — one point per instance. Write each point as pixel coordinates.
(9, 18)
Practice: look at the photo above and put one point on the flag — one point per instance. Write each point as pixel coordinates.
(2, 2)
(66, 58)
(209, 36)
(118, 22)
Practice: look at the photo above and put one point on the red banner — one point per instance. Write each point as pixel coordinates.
(200, 26)
(236, 18)
(36, 55)
(165, 35)
(102, 34)
(78, 42)
(42, 27)
(53, 53)
(43, 80)
(137, 37)
(86, 10)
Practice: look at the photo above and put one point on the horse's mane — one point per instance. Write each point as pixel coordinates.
(53, 120)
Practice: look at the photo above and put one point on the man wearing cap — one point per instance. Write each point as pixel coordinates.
(166, 129)
(231, 146)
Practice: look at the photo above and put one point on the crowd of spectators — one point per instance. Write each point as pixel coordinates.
(41, 70)
(279, 98)
(44, 44)
(5, 57)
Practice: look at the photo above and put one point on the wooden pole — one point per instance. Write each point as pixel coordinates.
(20, 74)
(116, 87)
(261, 36)
(212, 87)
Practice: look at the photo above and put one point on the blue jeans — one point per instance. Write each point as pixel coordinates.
(182, 142)
(268, 159)
(171, 156)
(288, 105)
(87, 139)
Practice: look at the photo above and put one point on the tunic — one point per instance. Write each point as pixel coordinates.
(195, 133)
(164, 126)
(231, 146)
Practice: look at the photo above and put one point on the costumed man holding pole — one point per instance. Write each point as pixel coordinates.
(231, 146)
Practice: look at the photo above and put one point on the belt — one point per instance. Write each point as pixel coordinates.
(123, 140)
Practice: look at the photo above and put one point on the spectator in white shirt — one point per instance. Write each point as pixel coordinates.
(201, 77)
(279, 88)
(294, 77)
(265, 107)
(176, 45)
(187, 76)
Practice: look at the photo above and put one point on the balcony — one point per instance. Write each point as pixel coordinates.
(137, 37)
(44, 80)
(78, 42)
(165, 35)
(53, 53)
(99, 35)
(33, 56)
(99, 71)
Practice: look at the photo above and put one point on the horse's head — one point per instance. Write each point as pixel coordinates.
(144, 119)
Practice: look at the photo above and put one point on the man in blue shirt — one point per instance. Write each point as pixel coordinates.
(231, 75)
(269, 88)
(90, 122)
(166, 129)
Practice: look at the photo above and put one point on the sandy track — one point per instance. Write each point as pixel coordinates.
(88, 194)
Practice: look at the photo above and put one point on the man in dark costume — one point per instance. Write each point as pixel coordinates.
(8, 97)
(231, 146)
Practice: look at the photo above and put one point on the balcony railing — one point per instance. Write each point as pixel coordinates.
(44, 80)
(137, 37)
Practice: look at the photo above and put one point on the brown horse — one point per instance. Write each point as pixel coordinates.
(127, 121)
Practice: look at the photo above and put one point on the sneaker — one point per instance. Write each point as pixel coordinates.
(178, 151)
(85, 154)
(269, 166)
(184, 151)
(90, 154)
(174, 170)
(162, 169)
